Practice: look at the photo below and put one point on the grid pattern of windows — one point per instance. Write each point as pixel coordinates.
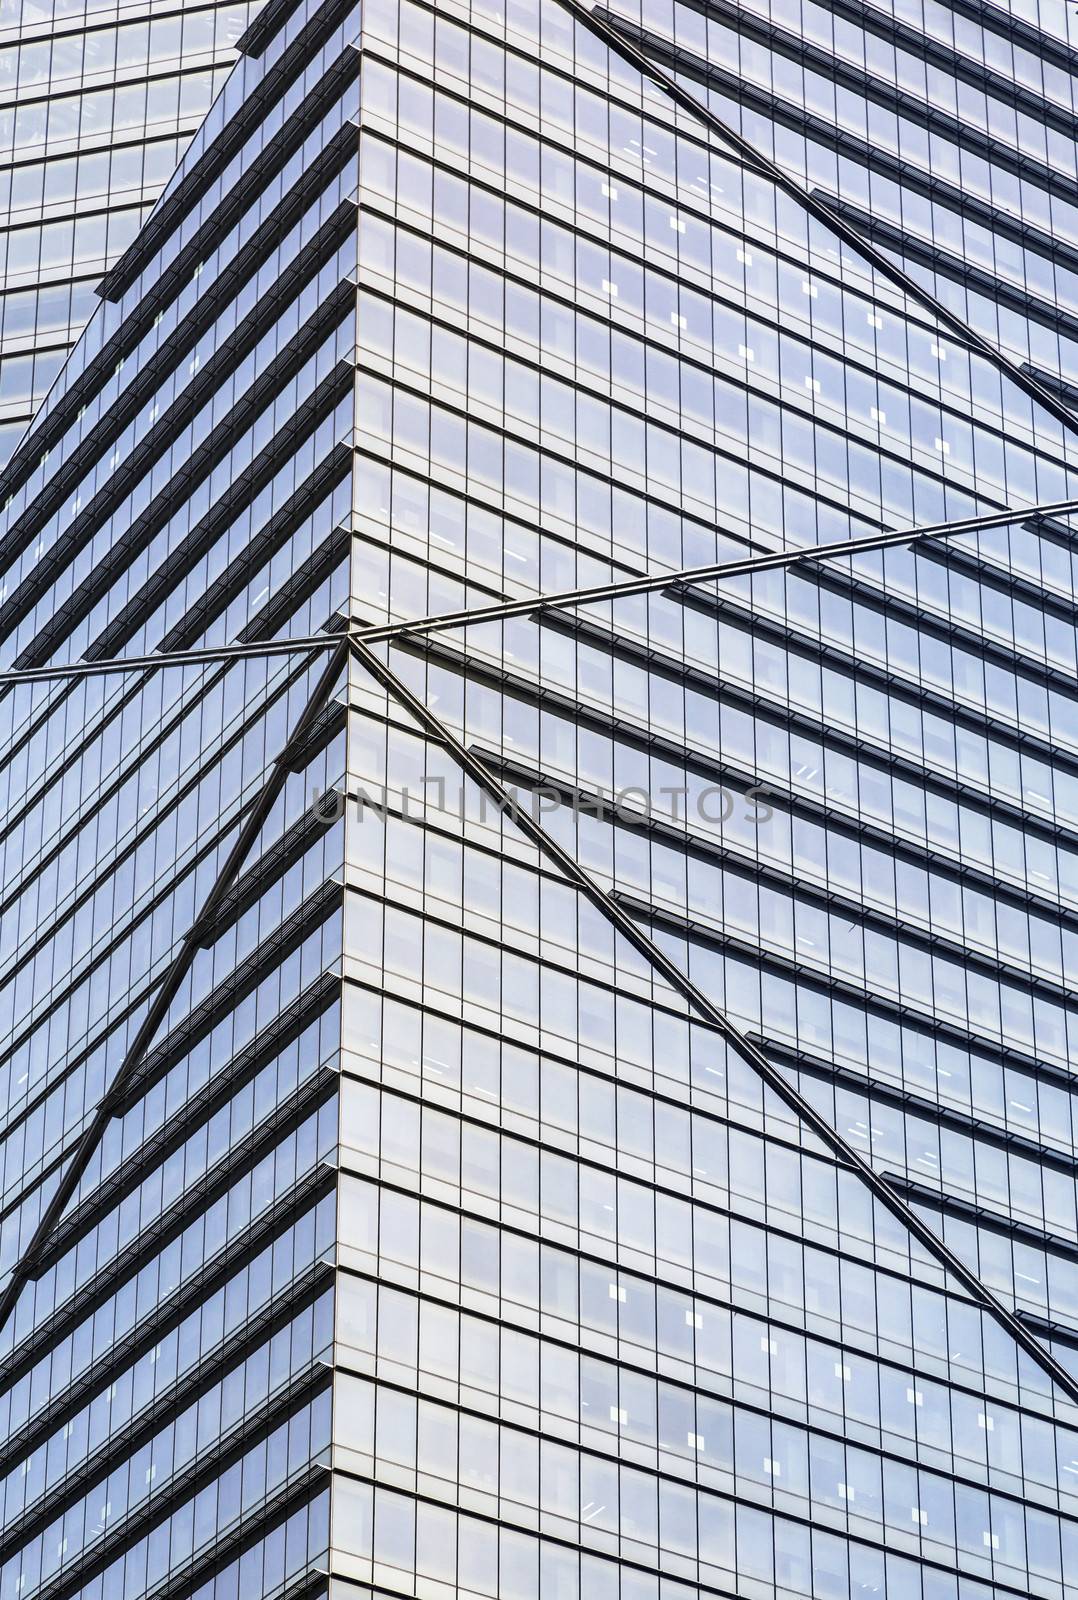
(96, 106)
(577, 1103)
(171, 897)
(610, 1318)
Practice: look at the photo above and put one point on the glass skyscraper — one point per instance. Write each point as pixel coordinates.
(539, 897)
(97, 103)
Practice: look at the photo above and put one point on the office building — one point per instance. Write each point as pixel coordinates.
(97, 104)
(573, 1104)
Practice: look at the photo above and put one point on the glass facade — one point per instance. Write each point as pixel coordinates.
(97, 103)
(573, 1103)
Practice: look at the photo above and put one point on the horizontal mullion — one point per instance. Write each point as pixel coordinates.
(200, 1107)
(189, 1385)
(185, 479)
(982, 1216)
(214, 160)
(889, 679)
(852, 1338)
(621, 725)
(883, 231)
(753, 870)
(238, 270)
(913, 1102)
(131, 1003)
(829, 134)
(249, 720)
(907, 39)
(728, 1392)
(198, 1195)
(793, 971)
(714, 290)
(297, 1488)
(197, 1287)
(252, 1426)
(311, 915)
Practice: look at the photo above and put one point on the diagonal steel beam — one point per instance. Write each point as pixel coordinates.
(770, 561)
(170, 984)
(626, 925)
(168, 658)
(637, 57)
(502, 610)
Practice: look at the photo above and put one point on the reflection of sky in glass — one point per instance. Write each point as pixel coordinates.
(598, 1157)
(95, 111)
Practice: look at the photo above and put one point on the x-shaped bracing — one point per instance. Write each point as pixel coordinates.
(536, 605)
(358, 639)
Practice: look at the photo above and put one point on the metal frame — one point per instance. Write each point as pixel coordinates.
(360, 636)
(357, 641)
(169, 986)
(503, 610)
(626, 925)
(166, 658)
(816, 207)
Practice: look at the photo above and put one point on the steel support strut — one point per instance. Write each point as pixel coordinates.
(170, 984)
(637, 57)
(828, 1135)
(503, 610)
